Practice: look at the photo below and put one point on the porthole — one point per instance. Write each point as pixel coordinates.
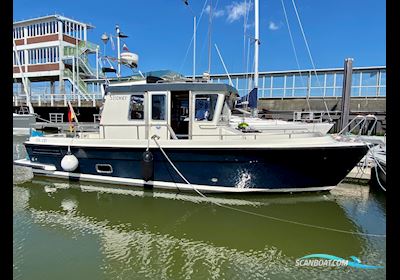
(104, 168)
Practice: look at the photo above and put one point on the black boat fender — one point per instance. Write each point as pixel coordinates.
(147, 166)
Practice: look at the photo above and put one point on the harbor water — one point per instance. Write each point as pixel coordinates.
(78, 230)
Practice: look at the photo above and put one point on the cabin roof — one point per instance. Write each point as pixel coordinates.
(182, 86)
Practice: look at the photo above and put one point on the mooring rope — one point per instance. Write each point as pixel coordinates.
(377, 165)
(258, 214)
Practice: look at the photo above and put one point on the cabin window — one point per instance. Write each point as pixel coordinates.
(205, 106)
(158, 107)
(136, 107)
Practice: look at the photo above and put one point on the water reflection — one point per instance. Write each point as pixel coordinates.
(84, 230)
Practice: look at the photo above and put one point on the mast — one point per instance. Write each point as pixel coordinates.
(253, 95)
(256, 43)
(209, 38)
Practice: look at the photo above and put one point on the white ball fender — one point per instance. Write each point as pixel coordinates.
(69, 163)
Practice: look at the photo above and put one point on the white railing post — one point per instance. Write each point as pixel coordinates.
(263, 86)
(79, 100)
(94, 100)
(271, 86)
(65, 100)
(284, 86)
(52, 100)
(378, 83)
(293, 84)
(334, 84)
(39, 100)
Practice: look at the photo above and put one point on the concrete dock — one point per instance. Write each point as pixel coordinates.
(359, 174)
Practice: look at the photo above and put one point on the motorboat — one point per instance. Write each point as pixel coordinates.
(23, 123)
(177, 135)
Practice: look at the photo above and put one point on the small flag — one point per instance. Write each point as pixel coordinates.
(125, 48)
(71, 117)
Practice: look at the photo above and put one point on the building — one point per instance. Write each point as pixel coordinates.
(52, 54)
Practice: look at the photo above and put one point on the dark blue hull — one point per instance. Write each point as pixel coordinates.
(278, 168)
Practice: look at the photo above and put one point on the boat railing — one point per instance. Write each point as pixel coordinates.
(312, 116)
(361, 122)
(290, 133)
(255, 136)
(146, 126)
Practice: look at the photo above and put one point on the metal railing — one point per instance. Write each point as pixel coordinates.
(361, 123)
(82, 86)
(366, 82)
(138, 125)
(73, 53)
(58, 99)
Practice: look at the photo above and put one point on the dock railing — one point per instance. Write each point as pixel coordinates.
(46, 99)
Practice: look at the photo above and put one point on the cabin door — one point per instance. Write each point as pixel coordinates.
(159, 114)
(180, 113)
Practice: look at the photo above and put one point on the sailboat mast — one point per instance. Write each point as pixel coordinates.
(256, 43)
(253, 95)
(209, 38)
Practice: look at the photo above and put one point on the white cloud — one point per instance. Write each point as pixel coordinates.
(273, 26)
(216, 13)
(237, 10)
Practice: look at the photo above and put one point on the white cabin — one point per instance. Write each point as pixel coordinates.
(171, 110)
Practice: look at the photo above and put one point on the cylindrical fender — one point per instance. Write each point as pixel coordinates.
(147, 166)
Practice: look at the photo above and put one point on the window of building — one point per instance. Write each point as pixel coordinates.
(136, 107)
(158, 107)
(43, 55)
(18, 32)
(205, 106)
(51, 51)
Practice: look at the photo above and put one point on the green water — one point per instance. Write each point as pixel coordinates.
(70, 230)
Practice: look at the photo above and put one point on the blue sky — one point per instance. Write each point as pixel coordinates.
(160, 31)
